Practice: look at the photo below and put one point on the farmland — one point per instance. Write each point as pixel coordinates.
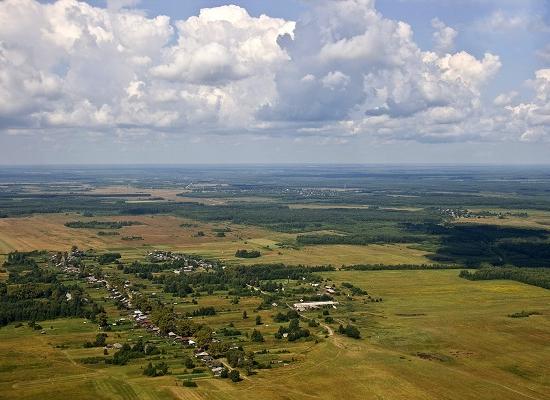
(507, 362)
(221, 259)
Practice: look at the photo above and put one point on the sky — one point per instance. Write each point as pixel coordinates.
(282, 81)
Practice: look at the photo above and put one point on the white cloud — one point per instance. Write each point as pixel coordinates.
(532, 118)
(342, 70)
(70, 64)
(443, 37)
(505, 99)
(223, 44)
(387, 86)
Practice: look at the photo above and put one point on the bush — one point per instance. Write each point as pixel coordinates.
(188, 362)
(350, 331)
(189, 383)
(247, 253)
(108, 258)
(256, 336)
(234, 375)
(160, 369)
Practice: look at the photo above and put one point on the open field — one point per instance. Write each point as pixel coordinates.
(534, 220)
(434, 336)
(47, 231)
(320, 254)
(425, 334)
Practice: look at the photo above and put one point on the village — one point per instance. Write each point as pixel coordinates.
(70, 263)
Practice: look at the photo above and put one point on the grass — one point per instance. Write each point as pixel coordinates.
(433, 336)
(165, 232)
(317, 255)
(536, 219)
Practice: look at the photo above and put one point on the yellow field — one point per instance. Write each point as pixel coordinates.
(536, 219)
(319, 254)
(48, 232)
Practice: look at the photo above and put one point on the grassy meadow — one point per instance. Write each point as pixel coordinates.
(433, 336)
(425, 334)
(48, 232)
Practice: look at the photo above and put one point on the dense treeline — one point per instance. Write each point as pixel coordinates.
(473, 245)
(532, 276)
(101, 224)
(286, 219)
(381, 267)
(361, 239)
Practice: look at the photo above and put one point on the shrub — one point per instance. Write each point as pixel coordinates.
(234, 375)
(256, 336)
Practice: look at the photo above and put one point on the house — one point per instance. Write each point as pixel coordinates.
(313, 305)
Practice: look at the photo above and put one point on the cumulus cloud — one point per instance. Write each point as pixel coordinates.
(443, 37)
(68, 64)
(341, 70)
(535, 115)
(357, 72)
(222, 45)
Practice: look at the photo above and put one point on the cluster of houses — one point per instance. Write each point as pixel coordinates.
(123, 298)
(214, 365)
(68, 262)
(454, 213)
(189, 264)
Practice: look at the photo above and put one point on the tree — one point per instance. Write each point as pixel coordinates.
(245, 315)
(258, 320)
(149, 370)
(350, 331)
(102, 320)
(188, 362)
(256, 336)
(234, 375)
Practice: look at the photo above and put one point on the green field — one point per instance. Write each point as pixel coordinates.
(434, 336)
(329, 233)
